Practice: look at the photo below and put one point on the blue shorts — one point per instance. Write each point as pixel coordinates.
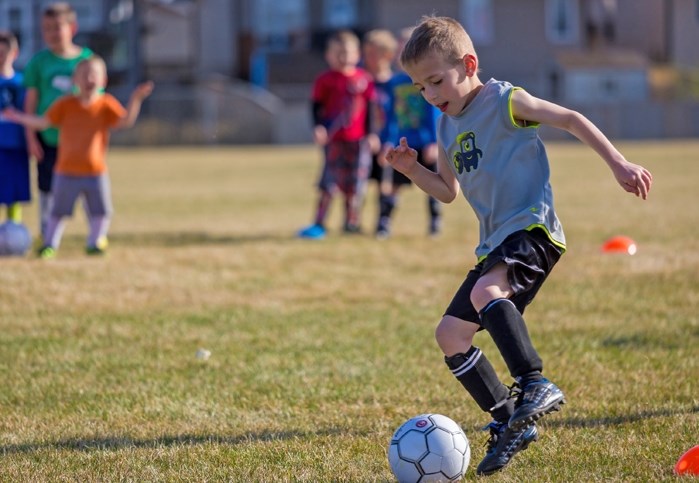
(14, 176)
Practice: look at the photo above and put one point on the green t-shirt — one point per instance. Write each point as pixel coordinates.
(52, 77)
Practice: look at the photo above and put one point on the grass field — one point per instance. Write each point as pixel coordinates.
(319, 350)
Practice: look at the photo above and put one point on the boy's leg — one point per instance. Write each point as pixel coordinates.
(97, 201)
(353, 163)
(326, 187)
(513, 273)
(507, 328)
(14, 212)
(475, 373)
(435, 209)
(325, 198)
(54, 231)
(387, 203)
(433, 205)
(45, 204)
(44, 175)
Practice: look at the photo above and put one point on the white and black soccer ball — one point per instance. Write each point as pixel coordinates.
(15, 239)
(429, 448)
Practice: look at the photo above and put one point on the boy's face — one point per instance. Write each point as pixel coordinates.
(342, 55)
(376, 58)
(57, 32)
(442, 84)
(7, 55)
(90, 77)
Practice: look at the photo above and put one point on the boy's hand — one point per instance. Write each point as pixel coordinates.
(320, 135)
(9, 113)
(402, 158)
(34, 147)
(143, 90)
(633, 178)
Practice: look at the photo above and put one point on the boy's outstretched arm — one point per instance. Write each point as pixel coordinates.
(30, 121)
(442, 185)
(133, 108)
(31, 101)
(632, 177)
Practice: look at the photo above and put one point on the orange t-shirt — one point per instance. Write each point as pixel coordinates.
(84, 133)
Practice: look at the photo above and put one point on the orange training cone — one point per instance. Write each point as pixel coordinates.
(688, 464)
(620, 244)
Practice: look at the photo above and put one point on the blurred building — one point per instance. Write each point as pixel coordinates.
(241, 70)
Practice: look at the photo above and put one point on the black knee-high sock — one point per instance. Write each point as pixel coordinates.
(506, 326)
(386, 205)
(473, 370)
(435, 207)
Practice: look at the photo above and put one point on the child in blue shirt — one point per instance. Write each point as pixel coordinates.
(14, 160)
(408, 116)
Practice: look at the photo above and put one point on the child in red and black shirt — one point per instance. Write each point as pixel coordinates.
(341, 98)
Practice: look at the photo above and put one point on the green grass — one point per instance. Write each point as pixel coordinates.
(321, 349)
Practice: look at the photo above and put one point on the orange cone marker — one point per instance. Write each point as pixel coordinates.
(688, 464)
(620, 244)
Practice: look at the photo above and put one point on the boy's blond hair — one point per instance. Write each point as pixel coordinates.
(92, 59)
(441, 36)
(9, 39)
(382, 39)
(61, 11)
(343, 37)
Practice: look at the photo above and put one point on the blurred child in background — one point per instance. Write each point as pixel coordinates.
(411, 117)
(379, 49)
(15, 187)
(85, 120)
(342, 97)
(47, 76)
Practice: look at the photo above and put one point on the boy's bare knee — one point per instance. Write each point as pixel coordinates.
(454, 335)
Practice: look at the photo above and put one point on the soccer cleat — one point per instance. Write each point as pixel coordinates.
(46, 252)
(435, 226)
(382, 234)
(102, 243)
(312, 232)
(95, 251)
(503, 444)
(535, 400)
(351, 229)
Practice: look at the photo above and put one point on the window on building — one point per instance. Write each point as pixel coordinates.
(562, 21)
(340, 13)
(477, 17)
(276, 21)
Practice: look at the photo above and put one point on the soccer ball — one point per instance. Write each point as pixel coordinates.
(15, 239)
(429, 447)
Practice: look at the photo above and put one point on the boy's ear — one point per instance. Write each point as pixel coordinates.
(471, 64)
(74, 27)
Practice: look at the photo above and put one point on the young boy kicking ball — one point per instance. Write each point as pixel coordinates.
(490, 150)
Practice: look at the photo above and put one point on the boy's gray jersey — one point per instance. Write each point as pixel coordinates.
(502, 168)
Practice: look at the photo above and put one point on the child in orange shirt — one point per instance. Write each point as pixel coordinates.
(85, 120)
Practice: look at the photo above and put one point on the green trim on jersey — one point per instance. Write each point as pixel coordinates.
(511, 114)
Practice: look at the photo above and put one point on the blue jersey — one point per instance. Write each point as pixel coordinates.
(11, 94)
(409, 114)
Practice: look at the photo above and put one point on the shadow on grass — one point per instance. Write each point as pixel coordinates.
(619, 420)
(185, 238)
(116, 443)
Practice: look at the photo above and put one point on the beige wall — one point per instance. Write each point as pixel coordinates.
(685, 43)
